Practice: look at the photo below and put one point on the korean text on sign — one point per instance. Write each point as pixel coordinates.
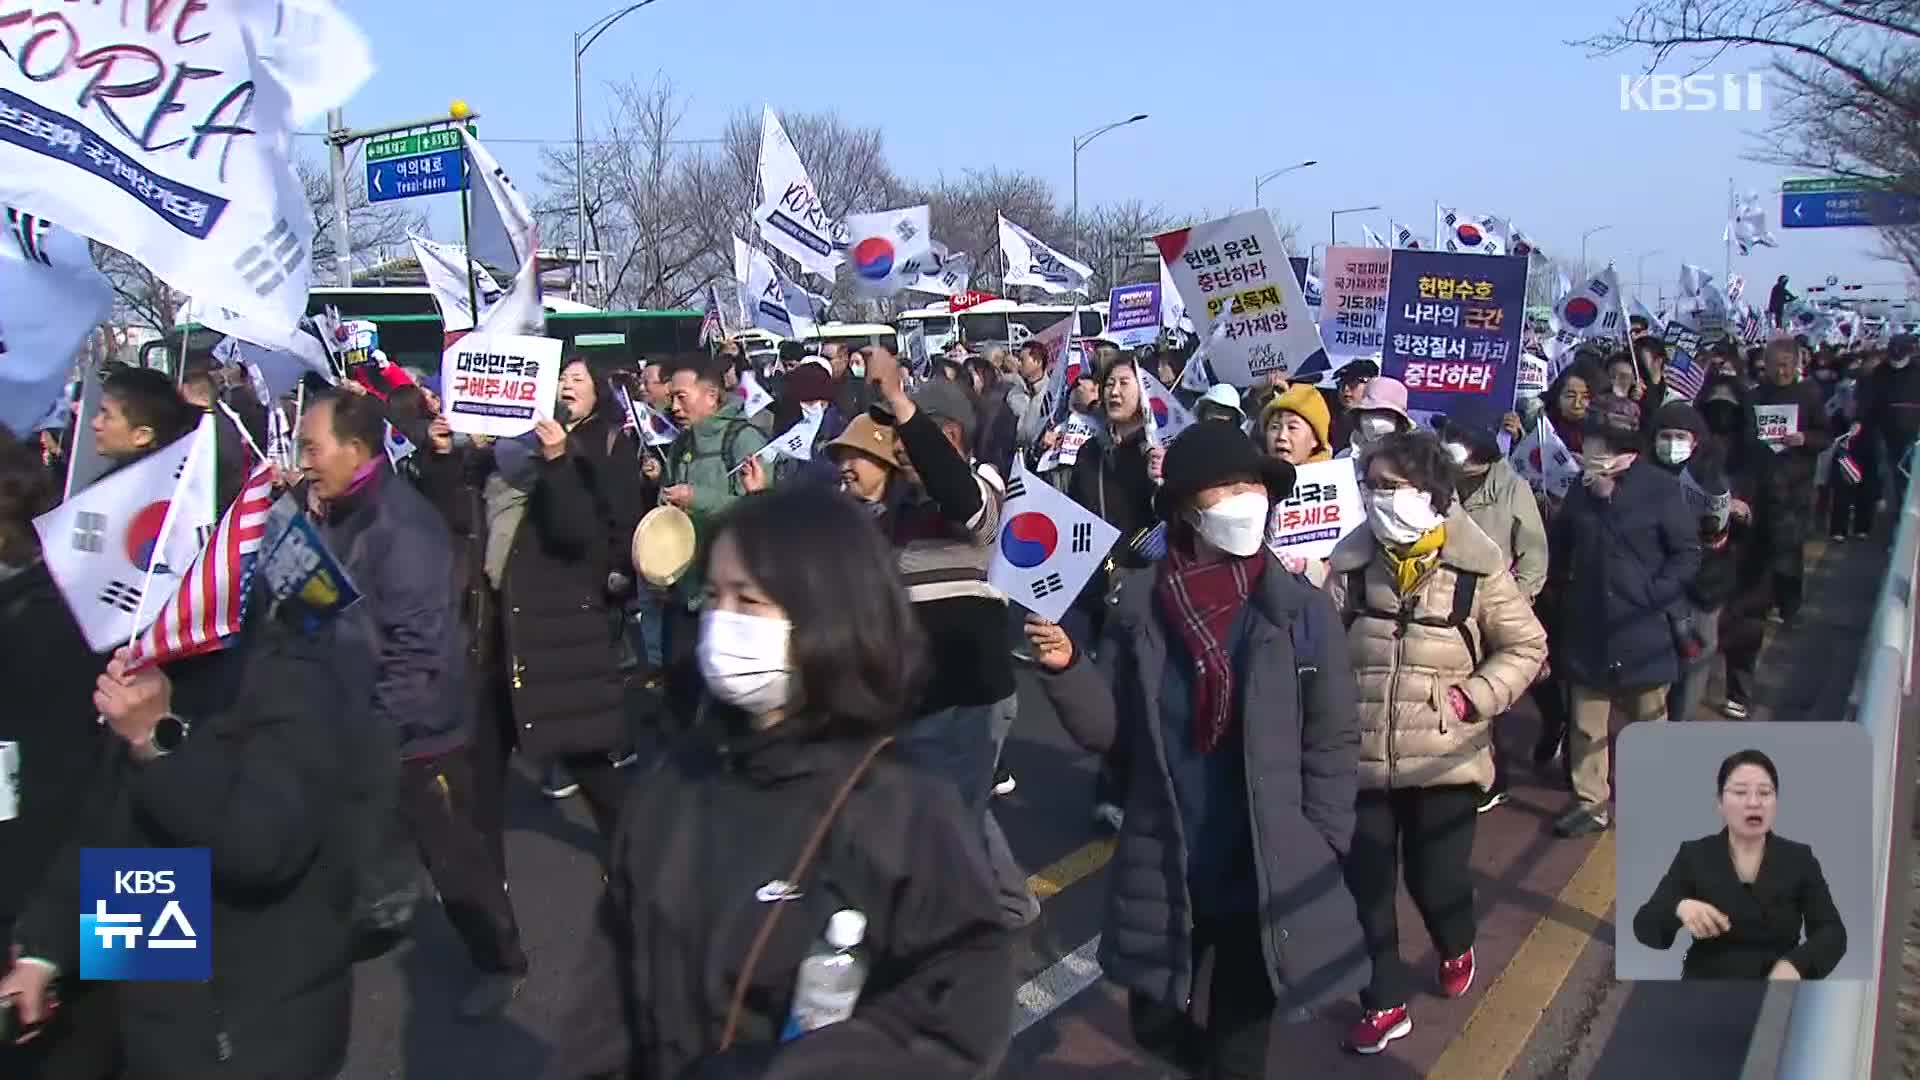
(1233, 275)
(1353, 314)
(499, 384)
(1452, 333)
(1324, 507)
(145, 914)
(1776, 422)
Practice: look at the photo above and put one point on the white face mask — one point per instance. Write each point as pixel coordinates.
(1458, 453)
(1400, 516)
(1372, 427)
(745, 659)
(1236, 524)
(1901, 362)
(1672, 449)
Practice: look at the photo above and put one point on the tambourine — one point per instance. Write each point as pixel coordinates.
(663, 546)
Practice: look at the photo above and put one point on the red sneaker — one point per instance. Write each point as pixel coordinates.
(1374, 1030)
(1456, 975)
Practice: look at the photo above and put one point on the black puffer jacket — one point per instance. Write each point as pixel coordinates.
(262, 786)
(561, 624)
(720, 821)
(1302, 756)
(1705, 483)
(49, 717)
(1786, 478)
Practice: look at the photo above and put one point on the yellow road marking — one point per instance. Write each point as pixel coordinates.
(1497, 1032)
(1079, 864)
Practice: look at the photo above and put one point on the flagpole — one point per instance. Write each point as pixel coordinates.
(466, 241)
(166, 532)
(1726, 273)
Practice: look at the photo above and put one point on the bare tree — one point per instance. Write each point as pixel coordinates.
(1845, 91)
(1111, 242)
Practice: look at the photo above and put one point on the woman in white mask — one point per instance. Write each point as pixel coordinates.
(1380, 412)
(811, 658)
(1442, 641)
(1231, 685)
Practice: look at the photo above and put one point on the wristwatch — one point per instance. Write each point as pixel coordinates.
(170, 734)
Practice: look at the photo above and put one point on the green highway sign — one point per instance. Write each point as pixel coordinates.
(424, 142)
(1822, 186)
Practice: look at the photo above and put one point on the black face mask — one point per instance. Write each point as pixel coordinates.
(1723, 417)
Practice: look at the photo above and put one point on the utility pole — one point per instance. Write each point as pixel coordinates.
(342, 235)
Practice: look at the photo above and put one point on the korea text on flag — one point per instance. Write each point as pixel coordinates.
(205, 195)
(792, 220)
(1031, 262)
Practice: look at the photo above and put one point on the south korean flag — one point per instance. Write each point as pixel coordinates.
(1049, 546)
(798, 441)
(1594, 310)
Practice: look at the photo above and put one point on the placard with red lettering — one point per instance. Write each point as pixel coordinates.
(1776, 422)
(1324, 507)
(499, 384)
(1233, 274)
(1453, 333)
(1353, 315)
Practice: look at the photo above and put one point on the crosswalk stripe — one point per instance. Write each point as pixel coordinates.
(1056, 986)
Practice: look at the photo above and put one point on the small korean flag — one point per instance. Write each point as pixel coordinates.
(1048, 548)
(797, 443)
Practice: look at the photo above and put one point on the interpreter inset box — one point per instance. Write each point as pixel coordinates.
(1743, 851)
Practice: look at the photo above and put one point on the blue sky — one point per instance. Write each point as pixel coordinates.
(1505, 118)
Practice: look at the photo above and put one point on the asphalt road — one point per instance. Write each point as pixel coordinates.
(1556, 1013)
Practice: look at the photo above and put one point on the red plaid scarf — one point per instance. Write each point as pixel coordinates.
(1201, 600)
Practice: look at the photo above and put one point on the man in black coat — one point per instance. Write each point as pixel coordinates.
(1890, 409)
(1778, 299)
(1631, 549)
(1788, 473)
(261, 786)
(406, 633)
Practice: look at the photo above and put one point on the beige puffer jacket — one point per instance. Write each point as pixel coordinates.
(1409, 736)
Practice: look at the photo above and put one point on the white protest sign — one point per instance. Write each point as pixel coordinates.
(1073, 435)
(1776, 422)
(1233, 274)
(1049, 546)
(1533, 376)
(1353, 316)
(163, 133)
(499, 384)
(1324, 507)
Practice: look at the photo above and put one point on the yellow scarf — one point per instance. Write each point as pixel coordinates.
(1407, 567)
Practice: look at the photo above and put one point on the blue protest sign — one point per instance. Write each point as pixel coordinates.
(305, 579)
(1453, 333)
(146, 914)
(1133, 315)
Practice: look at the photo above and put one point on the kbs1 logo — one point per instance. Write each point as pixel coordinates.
(145, 914)
(1691, 93)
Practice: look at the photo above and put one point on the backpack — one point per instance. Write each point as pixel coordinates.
(1460, 618)
(736, 426)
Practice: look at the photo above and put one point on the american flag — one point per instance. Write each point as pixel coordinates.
(710, 329)
(211, 601)
(1686, 375)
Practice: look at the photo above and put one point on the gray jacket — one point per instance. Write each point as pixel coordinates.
(1302, 744)
(1505, 510)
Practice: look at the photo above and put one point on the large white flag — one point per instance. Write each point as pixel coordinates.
(1747, 224)
(118, 548)
(1048, 547)
(790, 215)
(502, 230)
(1173, 309)
(1403, 237)
(167, 138)
(888, 249)
(1475, 234)
(51, 297)
(318, 54)
(1030, 262)
(772, 302)
(520, 311)
(445, 266)
(1372, 239)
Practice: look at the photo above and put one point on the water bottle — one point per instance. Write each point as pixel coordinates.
(830, 977)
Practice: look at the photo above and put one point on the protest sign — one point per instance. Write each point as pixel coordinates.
(1532, 380)
(182, 165)
(1353, 317)
(1324, 507)
(1453, 333)
(1776, 422)
(1232, 273)
(1133, 315)
(1049, 546)
(499, 384)
(305, 579)
(1073, 435)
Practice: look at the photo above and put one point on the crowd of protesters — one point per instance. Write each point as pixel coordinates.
(829, 686)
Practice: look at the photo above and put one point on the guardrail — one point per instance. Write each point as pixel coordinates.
(1834, 1029)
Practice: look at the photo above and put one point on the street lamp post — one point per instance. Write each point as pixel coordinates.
(1583, 245)
(583, 41)
(1333, 221)
(1079, 144)
(1640, 268)
(1261, 181)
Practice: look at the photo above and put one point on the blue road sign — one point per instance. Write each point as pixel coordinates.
(1842, 209)
(407, 177)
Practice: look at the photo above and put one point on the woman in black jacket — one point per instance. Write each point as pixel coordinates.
(1745, 894)
(811, 657)
(560, 519)
(1725, 406)
(1683, 448)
